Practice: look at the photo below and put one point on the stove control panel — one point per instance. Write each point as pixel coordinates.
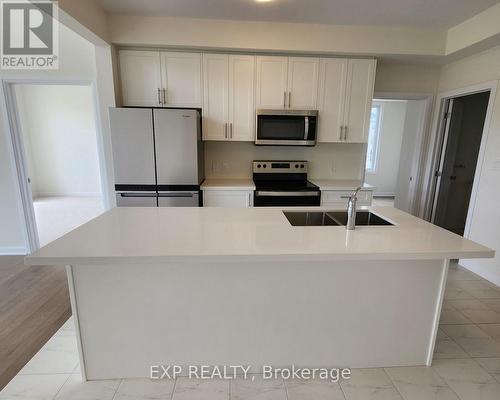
(280, 167)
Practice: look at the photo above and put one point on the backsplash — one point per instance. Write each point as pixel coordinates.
(326, 160)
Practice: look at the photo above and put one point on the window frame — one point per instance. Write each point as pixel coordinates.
(374, 168)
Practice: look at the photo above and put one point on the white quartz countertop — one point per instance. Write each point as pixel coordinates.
(228, 184)
(341, 184)
(155, 235)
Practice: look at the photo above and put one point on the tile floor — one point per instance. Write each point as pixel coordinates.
(56, 216)
(466, 366)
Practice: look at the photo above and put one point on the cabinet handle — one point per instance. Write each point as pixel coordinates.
(345, 132)
(231, 130)
(341, 132)
(225, 130)
(164, 96)
(289, 99)
(284, 99)
(159, 96)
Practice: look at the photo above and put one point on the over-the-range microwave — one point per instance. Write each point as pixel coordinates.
(286, 127)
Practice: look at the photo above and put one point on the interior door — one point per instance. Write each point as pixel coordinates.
(331, 98)
(176, 144)
(271, 82)
(241, 97)
(140, 77)
(181, 79)
(360, 82)
(215, 96)
(133, 147)
(303, 82)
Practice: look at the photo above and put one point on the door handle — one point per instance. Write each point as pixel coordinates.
(175, 194)
(164, 96)
(159, 96)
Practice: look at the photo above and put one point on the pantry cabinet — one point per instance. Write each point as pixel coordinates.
(287, 82)
(165, 79)
(344, 101)
(228, 97)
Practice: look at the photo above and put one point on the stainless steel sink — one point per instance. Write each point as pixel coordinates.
(339, 218)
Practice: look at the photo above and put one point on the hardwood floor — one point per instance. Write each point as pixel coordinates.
(34, 304)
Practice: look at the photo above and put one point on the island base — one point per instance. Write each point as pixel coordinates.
(354, 314)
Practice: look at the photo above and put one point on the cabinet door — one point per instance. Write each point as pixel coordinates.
(360, 81)
(241, 97)
(215, 96)
(338, 198)
(181, 79)
(227, 198)
(140, 77)
(271, 82)
(302, 82)
(332, 91)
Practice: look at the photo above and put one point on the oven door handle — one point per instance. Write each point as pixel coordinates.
(268, 193)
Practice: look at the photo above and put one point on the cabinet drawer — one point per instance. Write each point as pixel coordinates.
(338, 197)
(227, 198)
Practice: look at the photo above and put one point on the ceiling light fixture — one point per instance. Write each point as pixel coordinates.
(263, 1)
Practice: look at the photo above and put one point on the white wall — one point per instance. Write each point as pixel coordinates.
(327, 161)
(77, 61)
(391, 136)
(486, 212)
(60, 139)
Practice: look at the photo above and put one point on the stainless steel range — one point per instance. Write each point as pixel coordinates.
(284, 183)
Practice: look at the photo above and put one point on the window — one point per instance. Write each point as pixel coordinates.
(373, 138)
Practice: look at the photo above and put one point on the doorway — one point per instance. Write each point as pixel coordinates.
(394, 151)
(57, 133)
(465, 118)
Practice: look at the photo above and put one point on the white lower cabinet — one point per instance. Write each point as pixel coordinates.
(338, 198)
(227, 198)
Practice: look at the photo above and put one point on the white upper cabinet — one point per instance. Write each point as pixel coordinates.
(302, 82)
(272, 81)
(215, 96)
(344, 101)
(152, 78)
(360, 84)
(228, 97)
(331, 97)
(181, 77)
(140, 77)
(242, 97)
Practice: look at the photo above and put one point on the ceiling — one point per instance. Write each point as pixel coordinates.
(414, 13)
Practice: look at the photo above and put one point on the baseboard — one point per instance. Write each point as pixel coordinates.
(13, 251)
(66, 194)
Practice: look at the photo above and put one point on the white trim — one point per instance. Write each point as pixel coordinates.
(74, 310)
(437, 314)
(13, 251)
(19, 163)
(418, 189)
(377, 145)
(436, 135)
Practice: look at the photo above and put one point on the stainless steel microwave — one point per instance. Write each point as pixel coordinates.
(286, 127)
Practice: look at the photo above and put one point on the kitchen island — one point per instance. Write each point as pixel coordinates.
(233, 286)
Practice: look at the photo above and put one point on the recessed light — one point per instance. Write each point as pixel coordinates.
(263, 1)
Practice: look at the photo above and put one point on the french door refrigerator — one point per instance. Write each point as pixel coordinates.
(157, 156)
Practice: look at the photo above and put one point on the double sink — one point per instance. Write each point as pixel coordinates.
(332, 218)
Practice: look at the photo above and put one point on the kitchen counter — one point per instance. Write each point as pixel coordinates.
(162, 234)
(228, 184)
(341, 184)
(235, 286)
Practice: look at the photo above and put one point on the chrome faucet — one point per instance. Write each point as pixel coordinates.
(351, 209)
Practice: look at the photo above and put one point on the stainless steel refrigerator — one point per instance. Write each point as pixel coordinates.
(157, 156)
